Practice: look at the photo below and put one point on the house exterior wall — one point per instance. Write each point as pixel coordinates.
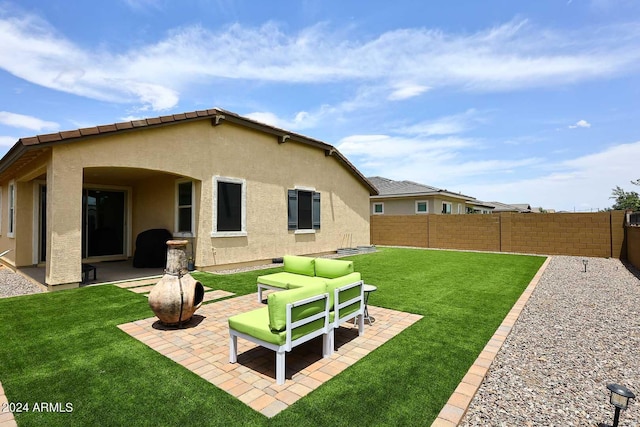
(582, 234)
(21, 243)
(407, 205)
(199, 151)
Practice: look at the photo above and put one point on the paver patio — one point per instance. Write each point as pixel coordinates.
(202, 346)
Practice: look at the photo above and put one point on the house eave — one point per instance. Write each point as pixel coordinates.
(217, 115)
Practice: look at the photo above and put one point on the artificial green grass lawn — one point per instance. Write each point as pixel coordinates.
(64, 347)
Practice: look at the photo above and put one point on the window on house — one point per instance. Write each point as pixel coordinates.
(446, 208)
(303, 209)
(378, 208)
(12, 209)
(185, 213)
(421, 207)
(229, 207)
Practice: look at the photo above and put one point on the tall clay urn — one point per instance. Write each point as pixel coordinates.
(177, 295)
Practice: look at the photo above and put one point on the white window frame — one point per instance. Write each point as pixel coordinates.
(308, 190)
(177, 233)
(448, 204)
(11, 209)
(381, 204)
(214, 210)
(459, 209)
(426, 204)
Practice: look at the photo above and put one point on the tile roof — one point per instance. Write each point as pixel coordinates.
(389, 187)
(17, 155)
(503, 207)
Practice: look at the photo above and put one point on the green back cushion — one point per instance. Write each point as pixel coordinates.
(338, 282)
(278, 301)
(299, 265)
(332, 268)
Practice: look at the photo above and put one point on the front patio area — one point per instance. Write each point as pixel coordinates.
(202, 346)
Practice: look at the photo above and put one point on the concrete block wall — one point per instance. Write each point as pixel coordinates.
(476, 232)
(562, 234)
(633, 246)
(400, 230)
(600, 234)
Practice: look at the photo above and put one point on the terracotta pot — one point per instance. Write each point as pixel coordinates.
(177, 295)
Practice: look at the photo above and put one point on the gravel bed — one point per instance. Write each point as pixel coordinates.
(13, 284)
(578, 332)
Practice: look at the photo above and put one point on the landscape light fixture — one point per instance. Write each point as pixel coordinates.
(620, 399)
(585, 262)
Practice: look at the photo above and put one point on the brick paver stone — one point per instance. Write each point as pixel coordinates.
(202, 346)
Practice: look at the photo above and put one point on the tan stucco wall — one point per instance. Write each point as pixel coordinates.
(5, 241)
(407, 205)
(21, 244)
(24, 223)
(153, 200)
(200, 151)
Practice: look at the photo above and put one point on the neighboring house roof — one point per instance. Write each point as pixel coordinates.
(26, 149)
(390, 188)
(503, 207)
(480, 204)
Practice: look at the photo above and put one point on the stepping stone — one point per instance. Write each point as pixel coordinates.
(141, 289)
(136, 283)
(215, 295)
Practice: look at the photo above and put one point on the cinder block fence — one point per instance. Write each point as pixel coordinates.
(600, 234)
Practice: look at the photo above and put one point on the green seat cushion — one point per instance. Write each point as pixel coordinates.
(277, 305)
(299, 265)
(332, 284)
(332, 268)
(300, 281)
(256, 324)
(278, 280)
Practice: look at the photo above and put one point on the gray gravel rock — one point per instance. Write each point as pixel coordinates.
(578, 332)
(13, 284)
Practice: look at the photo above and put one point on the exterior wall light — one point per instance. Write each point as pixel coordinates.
(620, 399)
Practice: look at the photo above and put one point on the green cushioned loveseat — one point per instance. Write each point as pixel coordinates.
(302, 271)
(298, 315)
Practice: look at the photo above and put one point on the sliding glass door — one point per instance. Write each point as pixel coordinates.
(103, 218)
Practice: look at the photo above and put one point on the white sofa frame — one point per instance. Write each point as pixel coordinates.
(263, 287)
(359, 313)
(326, 331)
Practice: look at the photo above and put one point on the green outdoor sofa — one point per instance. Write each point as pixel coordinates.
(302, 271)
(299, 314)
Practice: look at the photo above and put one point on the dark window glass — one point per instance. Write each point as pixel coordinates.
(229, 206)
(184, 220)
(304, 210)
(184, 194)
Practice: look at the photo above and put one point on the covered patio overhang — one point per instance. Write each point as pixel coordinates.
(97, 223)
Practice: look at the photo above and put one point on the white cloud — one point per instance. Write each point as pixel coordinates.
(513, 55)
(26, 122)
(7, 141)
(580, 124)
(580, 184)
(448, 125)
(407, 91)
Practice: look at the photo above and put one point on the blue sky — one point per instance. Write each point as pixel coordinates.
(515, 101)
